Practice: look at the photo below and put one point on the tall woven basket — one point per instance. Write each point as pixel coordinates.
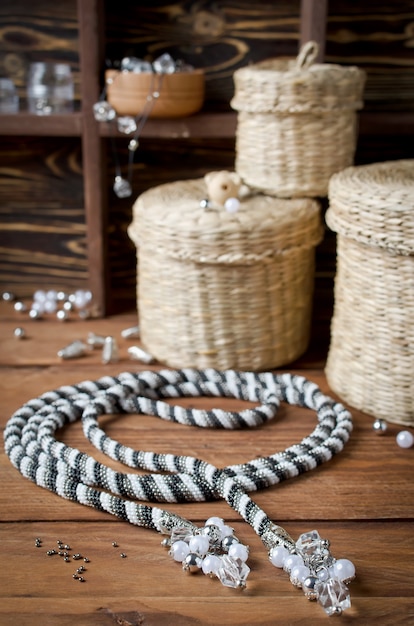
(371, 357)
(219, 289)
(296, 123)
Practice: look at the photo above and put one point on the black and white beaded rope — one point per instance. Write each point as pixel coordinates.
(33, 449)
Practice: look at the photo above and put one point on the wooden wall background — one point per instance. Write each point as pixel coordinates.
(42, 226)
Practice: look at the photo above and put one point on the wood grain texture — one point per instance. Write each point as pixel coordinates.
(362, 500)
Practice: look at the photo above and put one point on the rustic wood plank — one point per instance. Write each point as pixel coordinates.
(362, 500)
(159, 593)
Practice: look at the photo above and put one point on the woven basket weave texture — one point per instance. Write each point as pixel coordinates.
(371, 356)
(219, 289)
(296, 123)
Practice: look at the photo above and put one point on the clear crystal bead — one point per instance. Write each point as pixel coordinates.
(310, 543)
(122, 188)
(233, 572)
(133, 64)
(164, 64)
(333, 595)
(181, 533)
(126, 124)
(103, 111)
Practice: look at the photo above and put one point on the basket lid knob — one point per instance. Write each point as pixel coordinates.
(222, 185)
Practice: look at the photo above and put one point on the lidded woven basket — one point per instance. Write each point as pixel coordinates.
(219, 289)
(371, 356)
(296, 123)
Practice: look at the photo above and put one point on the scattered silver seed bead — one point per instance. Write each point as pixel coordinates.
(81, 579)
(75, 576)
(62, 315)
(68, 306)
(76, 556)
(380, 426)
(8, 296)
(86, 560)
(19, 333)
(35, 314)
(114, 544)
(66, 547)
(123, 555)
(20, 307)
(66, 559)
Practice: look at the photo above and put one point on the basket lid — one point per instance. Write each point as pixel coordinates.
(170, 219)
(298, 85)
(374, 204)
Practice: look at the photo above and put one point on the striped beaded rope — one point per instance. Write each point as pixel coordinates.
(34, 451)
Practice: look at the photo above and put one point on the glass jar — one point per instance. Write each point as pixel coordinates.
(50, 88)
(9, 100)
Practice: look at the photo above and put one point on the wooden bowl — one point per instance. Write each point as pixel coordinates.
(181, 93)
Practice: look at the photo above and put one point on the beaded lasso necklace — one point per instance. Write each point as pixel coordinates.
(33, 449)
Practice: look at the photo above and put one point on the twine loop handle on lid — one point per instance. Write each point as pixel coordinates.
(307, 55)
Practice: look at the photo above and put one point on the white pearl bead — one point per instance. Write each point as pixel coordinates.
(232, 205)
(179, 550)
(211, 564)
(344, 569)
(278, 556)
(239, 551)
(226, 531)
(199, 544)
(405, 439)
(292, 561)
(300, 573)
(324, 574)
(215, 521)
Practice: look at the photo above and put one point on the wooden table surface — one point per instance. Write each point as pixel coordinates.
(362, 500)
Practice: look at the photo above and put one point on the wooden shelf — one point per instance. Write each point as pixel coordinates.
(202, 125)
(26, 124)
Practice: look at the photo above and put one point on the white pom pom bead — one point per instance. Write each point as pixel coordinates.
(232, 205)
(405, 439)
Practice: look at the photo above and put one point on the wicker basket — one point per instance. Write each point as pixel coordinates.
(371, 357)
(296, 124)
(220, 289)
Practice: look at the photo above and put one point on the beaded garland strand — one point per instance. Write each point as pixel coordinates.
(34, 451)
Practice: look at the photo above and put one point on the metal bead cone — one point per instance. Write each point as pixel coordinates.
(110, 350)
(74, 350)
